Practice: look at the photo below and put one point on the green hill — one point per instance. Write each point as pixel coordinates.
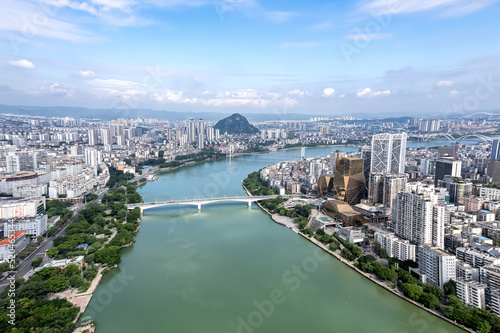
(235, 124)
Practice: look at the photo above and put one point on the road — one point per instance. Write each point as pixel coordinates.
(24, 267)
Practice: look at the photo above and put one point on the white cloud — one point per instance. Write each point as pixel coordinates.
(446, 7)
(342, 96)
(117, 88)
(87, 74)
(25, 64)
(369, 93)
(54, 89)
(28, 20)
(299, 93)
(454, 93)
(445, 83)
(235, 98)
(328, 92)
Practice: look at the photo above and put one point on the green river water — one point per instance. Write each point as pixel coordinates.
(230, 268)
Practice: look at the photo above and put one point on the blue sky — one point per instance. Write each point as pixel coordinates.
(335, 58)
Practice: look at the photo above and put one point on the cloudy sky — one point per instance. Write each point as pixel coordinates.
(380, 57)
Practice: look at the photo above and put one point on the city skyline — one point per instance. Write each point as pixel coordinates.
(375, 57)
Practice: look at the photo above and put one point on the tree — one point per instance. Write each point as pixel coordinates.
(450, 287)
(57, 283)
(412, 291)
(76, 281)
(36, 262)
(108, 255)
(356, 251)
(430, 300)
(71, 270)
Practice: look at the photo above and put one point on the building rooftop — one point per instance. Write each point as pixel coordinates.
(17, 235)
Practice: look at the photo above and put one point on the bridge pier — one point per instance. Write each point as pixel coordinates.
(249, 204)
(199, 206)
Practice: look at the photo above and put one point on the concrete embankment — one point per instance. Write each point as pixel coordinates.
(371, 277)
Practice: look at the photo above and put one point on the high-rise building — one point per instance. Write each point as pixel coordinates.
(490, 276)
(495, 150)
(93, 138)
(396, 247)
(429, 125)
(201, 134)
(438, 266)
(388, 153)
(21, 161)
(494, 171)
(92, 157)
(333, 158)
(192, 131)
(348, 180)
(376, 187)
(210, 134)
(106, 136)
(393, 184)
(471, 293)
(418, 218)
(366, 155)
(457, 187)
(217, 134)
(446, 166)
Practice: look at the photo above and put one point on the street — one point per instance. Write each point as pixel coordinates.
(24, 267)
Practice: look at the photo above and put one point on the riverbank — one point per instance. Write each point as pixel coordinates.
(368, 276)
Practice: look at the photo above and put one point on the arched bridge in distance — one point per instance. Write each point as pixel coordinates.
(203, 201)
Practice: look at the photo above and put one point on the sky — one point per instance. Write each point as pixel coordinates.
(333, 58)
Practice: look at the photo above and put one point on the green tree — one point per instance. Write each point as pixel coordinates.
(450, 287)
(71, 270)
(36, 262)
(108, 255)
(57, 283)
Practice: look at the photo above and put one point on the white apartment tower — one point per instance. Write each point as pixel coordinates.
(417, 218)
(438, 266)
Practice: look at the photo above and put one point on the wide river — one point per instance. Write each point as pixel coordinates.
(230, 268)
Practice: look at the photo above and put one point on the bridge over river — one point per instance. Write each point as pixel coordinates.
(203, 201)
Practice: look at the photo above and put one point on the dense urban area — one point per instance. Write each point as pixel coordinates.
(420, 221)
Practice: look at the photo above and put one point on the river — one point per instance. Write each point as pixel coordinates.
(230, 268)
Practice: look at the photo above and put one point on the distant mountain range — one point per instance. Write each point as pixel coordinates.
(235, 124)
(110, 114)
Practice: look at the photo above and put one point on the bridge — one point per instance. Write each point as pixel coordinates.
(453, 140)
(203, 201)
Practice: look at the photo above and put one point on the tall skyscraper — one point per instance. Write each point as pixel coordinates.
(366, 155)
(106, 136)
(210, 134)
(93, 139)
(348, 180)
(388, 153)
(495, 150)
(201, 134)
(418, 218)
(446, 166)
(192, 131)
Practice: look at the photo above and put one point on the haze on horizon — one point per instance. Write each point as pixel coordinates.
(385, 57)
